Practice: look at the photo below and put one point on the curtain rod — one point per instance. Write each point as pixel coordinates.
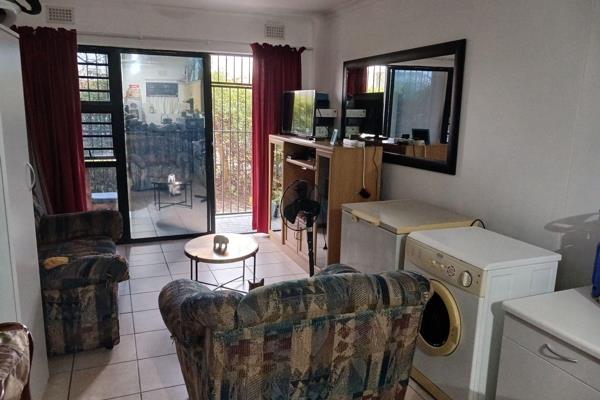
(169, 39)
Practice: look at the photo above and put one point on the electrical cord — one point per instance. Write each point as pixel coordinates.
(376, 173)
(364, 193)
(364, 165)
(481, 223)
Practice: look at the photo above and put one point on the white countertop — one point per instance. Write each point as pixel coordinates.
(405, 216)
(571, 315)
(483, 248)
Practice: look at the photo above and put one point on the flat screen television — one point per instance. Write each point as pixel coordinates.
(298, 111)
(372, 103)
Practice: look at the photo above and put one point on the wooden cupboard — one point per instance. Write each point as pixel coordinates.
(337, 172)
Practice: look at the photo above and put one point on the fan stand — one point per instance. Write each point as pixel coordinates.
(309, 241)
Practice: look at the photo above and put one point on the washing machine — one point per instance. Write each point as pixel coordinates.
(471, 270)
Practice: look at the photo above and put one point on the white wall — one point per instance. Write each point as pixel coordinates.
(130, 24)
(529, 139)
(529, 148)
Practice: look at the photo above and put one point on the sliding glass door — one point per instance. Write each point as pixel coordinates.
(166, 144)
(158, 107)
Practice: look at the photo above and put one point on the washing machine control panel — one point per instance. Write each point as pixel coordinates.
(446, 268)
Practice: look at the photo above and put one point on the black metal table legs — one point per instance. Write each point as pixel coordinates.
(194, 267)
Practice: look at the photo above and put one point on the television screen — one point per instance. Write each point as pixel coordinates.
(303, 112)
(297, 114)
(373, 104)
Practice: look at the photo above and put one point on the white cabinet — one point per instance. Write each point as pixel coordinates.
(551, 347)
(527, 376)
(8, 310)
(19, 275)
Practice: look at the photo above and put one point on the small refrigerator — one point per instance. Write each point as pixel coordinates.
(374, 233)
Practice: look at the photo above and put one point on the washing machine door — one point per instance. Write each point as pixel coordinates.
(440, 328)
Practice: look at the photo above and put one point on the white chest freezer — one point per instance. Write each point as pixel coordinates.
(374, 233)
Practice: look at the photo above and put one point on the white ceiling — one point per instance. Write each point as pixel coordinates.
(260, 6)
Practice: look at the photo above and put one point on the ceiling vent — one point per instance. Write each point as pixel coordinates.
(60, 15)
(275, 31)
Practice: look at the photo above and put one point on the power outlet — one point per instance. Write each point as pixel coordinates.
(352, 130)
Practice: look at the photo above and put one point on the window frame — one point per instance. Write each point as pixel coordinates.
(100, 107)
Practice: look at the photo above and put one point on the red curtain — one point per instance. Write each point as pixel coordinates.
(275, 70)
(51, 89)
(356, 81)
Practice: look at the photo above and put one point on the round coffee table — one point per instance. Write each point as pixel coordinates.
(240, 248)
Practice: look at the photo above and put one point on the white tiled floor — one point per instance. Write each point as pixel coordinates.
(148, 221)
(234, 223)
(144, 366)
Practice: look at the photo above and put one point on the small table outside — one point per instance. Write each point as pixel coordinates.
(104, 200)
(158, 187)
(240, 248)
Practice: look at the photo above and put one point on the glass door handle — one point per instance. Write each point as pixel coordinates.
(32, 176)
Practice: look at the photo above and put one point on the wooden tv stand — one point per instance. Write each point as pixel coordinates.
(337, 172)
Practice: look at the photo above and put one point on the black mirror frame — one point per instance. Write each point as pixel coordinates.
(456, 48)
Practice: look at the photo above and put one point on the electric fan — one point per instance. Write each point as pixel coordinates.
(300, 209)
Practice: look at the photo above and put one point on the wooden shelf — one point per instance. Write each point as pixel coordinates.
(306, 164)
(338, 173)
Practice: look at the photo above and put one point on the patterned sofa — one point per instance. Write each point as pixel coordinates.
(156, 151)
(80, 296)
(338, 335)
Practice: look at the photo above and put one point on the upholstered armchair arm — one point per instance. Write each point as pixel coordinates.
(333, 269)
(63, 227)
(87, 270)
(407, 288)
(189, 308)
(415, 287)
(170, 301)
(16, 352)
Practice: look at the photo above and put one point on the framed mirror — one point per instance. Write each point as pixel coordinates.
(409, 101)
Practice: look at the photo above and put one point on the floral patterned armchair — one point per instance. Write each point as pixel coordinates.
(338, 335)
(16, 353)
(80, 294)
(154, 153)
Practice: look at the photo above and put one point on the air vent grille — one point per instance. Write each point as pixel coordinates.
(275, 31)
(60, 15)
